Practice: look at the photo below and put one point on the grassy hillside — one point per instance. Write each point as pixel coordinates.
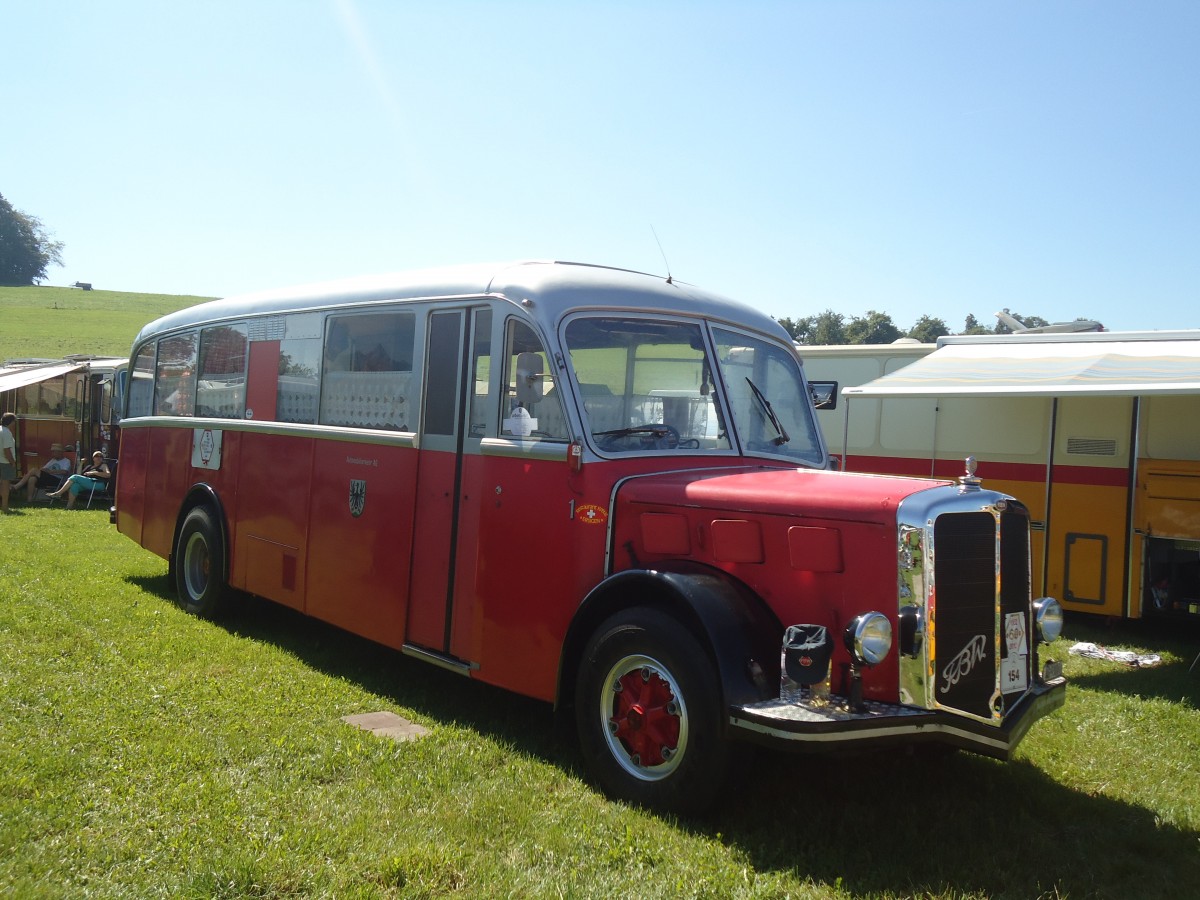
(55, 321)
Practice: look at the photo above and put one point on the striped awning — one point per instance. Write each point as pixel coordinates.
(1020, 368)
(13, 377)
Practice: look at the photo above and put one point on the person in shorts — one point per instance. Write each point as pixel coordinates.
(8, 458)
(48, 478)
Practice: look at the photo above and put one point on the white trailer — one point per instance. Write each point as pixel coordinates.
(1097, 433)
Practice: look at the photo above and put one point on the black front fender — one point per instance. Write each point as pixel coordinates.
(739, 632)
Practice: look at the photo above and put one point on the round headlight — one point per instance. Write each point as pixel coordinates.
(869, 637)
(1049, 617)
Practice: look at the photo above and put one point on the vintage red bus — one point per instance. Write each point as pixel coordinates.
(598, 488)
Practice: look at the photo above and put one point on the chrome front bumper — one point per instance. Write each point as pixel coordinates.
(795, 722)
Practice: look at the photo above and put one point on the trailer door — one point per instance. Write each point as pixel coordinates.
(1090, 491)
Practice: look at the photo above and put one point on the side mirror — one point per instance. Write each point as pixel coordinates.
(824, 394)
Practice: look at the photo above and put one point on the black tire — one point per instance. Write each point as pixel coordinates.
(200, 565)
(648, 712)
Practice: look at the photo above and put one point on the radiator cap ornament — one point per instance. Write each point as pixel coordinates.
(969, 482)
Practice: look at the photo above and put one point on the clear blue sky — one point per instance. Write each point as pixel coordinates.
(915, 158)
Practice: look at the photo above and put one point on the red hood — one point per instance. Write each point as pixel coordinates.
(807, 493)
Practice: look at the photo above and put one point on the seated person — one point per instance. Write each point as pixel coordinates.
(49, 477)
(94, 478)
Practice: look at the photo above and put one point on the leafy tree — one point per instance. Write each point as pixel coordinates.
(873, 328)
(972, 326)
(26, 248)
(827, 328)
(795, 327)
(928, 330)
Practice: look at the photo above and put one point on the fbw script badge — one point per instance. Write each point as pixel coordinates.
(358, 496)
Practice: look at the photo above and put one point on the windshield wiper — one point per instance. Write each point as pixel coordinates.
(659, 430)
(770, 414)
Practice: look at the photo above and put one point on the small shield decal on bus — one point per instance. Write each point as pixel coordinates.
(358, 496)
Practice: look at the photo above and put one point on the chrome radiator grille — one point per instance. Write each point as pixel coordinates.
(964, 661)
(964, 568)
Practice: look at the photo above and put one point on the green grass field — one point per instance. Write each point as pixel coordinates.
(55, 321)
(148, 753)
(144, 752)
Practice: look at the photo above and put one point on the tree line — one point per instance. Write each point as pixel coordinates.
(875, 327)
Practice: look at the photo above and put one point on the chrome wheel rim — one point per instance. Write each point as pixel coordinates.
(643, 717)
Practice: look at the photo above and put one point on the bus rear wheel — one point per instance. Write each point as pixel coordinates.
(200, 565)
(647, 707)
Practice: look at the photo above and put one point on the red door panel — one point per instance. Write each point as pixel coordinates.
(360, 542)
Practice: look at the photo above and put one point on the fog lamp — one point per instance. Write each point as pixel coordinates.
(869, 637)
(1049, 616)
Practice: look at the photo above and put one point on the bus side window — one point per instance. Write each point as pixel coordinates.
(141, 384)
(67, 394)
(27, 400)
(175, 381)
(533, 406)
(481, 372)
(221, 388)
(299, 365)
(50, 397)
(366, 377)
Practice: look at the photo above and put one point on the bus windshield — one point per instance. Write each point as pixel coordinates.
(770, 405)
(652, 385)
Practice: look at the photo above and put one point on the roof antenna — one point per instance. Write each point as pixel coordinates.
(664, 254)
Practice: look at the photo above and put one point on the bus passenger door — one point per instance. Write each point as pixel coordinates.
(439, 470)
(527, 550)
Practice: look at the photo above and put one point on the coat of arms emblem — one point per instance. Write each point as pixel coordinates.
(358, 496)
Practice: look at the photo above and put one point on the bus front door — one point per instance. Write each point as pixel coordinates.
(439, 471)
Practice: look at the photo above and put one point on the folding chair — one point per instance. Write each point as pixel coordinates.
(109, 488)
(59, 481)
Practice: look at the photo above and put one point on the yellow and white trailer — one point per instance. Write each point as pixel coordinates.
(1097, 433)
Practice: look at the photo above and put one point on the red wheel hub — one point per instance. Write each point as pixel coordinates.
(646, 717)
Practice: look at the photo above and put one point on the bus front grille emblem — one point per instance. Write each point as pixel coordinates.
(358, 496)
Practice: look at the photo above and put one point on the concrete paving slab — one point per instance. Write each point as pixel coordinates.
(387, 724)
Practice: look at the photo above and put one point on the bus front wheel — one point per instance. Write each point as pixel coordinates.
(200, 565)
(647, 707)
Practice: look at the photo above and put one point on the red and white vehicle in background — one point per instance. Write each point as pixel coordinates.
(599, 488)
(73, 401)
